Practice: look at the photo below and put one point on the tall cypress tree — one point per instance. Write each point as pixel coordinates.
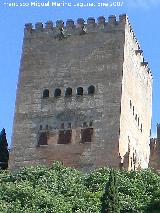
(110, 201)
(4, 153)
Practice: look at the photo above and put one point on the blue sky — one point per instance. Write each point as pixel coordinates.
(144, 16)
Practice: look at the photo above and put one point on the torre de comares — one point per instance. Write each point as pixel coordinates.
(84, 96)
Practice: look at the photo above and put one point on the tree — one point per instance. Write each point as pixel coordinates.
(110, 201)
(4, 153)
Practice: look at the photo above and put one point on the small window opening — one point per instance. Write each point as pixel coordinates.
(91, 90)
(133, 110)
(65, 137)
(68, 92)
(57, 93)
(131, 162)
(69, 125)
(47, 126)
(141, 128)
(62, 126)
(86, 135)
(138, 121)
(79, 91)
(130, 104)
(46, 93)
(40, 127)
(136, 117)
(84, 124)
(91, 123)
(42, 139)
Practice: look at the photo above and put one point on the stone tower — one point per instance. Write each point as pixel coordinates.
(154, 161)
(84, 96)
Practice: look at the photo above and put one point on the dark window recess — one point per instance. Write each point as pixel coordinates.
(84, 124)
(138, 121)
(133, 110)
(40, 127)
(42, 139)
(136, 117)
(91, 90)
(62, 126)
(141, 128)
(69, 125)
(46, 126)
(91, 123)
(130, 104)
(65, 136)
(57, 93)
(46, 93)
(68, 92)
(87, 135)
(79, 91)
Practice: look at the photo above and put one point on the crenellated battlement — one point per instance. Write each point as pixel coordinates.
(75, 27)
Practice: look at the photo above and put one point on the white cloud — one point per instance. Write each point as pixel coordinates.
(145, 4)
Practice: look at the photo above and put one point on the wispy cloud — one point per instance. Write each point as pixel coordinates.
(145, 4)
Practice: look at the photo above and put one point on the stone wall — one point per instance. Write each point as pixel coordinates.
(136, 104)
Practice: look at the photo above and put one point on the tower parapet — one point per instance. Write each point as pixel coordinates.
(90, 24)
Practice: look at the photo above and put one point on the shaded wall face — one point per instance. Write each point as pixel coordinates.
(87, 122)
(136, 105)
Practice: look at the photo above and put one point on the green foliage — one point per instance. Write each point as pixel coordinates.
(110, 199)
(65, 190)
(4, 153)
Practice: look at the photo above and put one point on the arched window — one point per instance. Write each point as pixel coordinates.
(79, 91)
(57, 92)
(68, 92)
(46, 93)
(91, 90)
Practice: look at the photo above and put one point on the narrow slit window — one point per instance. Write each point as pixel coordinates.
(130, 104)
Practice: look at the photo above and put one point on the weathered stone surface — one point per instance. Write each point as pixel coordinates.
(104, 56)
